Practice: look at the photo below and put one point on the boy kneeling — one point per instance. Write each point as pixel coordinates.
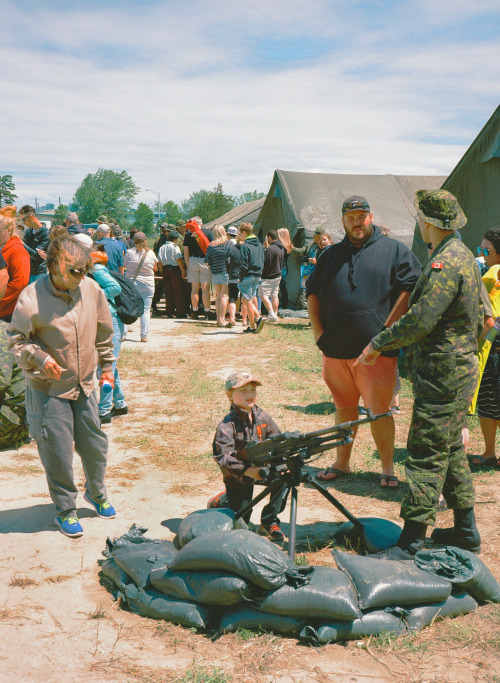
(246, 422)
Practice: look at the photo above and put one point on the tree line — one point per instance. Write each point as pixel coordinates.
(112, 193)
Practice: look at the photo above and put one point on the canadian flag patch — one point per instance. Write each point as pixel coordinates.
(437, 265)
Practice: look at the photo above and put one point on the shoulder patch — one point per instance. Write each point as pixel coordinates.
(437, 265)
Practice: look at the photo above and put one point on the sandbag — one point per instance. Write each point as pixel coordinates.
(371, 624)
(380, 583)
(330, 594)
(243, 553)
(463, 569)
(207, 587)
(111, 571)
(150, 603)
(421, 616)
(205, 522)
(134, 535)
(138, 559)
(246, 617)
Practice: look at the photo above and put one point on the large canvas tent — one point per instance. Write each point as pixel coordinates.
(475, 182)
(243, 213)
(302, 202)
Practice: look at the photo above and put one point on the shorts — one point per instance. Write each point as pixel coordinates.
(374, 383)
(234, 292)
(220, 278)
(198, 271)
(248, 286)
(269, 288)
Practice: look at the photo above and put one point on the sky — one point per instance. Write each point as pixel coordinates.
(184, 95)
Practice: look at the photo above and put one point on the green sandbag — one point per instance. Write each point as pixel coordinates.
(150, 603)
(421, 616)
(246, 617)
(464, 569)
(371, 624)
(205, 522)
(207, 587)
(138, 559)
(380, 583)
(243, 553)
(330, 594)
(115, 574)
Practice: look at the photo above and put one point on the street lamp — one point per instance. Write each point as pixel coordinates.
(159, 205)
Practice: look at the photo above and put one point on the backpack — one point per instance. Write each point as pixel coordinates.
(129, 303)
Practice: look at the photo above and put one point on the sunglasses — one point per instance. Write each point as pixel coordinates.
(484, 252)
(79, 272)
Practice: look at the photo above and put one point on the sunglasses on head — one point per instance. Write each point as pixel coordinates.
(79, 272)
(484, 252)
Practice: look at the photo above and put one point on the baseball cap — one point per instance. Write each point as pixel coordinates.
(102, 219)
(440, 208)
(86, 240)
(139, 236)
(355, 203)
(239, 379)
(173, 235)
(232, 230)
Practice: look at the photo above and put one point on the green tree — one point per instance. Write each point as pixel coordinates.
(105, 192)
(144, 218)
(60, 214)
(250, 197)
(171, 212)
(7, 188)
(208, 205)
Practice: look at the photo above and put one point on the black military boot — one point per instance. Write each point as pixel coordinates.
(463, 534)
(410, 542)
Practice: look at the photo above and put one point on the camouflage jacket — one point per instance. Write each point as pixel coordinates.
(442, 323)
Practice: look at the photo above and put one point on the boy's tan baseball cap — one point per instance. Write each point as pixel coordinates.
(239, 379)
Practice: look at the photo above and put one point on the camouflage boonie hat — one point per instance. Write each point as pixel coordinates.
(439, 208)
(239, 379)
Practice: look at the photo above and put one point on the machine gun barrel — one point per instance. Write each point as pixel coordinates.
(280, 447)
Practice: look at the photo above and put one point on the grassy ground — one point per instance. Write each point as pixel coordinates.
(188, 403)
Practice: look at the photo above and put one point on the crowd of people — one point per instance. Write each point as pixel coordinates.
(367, 297)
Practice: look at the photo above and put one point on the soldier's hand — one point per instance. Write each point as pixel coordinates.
(253, 472)
(368, 356)
(52, 369)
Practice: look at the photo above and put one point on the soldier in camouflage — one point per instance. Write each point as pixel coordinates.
(441, 330)
(13, 427)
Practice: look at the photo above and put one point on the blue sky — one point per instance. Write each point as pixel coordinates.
(185, 95)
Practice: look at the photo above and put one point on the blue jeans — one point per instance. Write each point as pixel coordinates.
(115, 398)
(146, 291)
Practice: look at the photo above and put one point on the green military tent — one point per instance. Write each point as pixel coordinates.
(302, 202)
(475, 182)
(243, 213)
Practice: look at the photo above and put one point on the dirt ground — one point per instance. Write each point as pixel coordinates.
(57, 623)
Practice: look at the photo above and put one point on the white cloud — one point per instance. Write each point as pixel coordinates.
(178, 95)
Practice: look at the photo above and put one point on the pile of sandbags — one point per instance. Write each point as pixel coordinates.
(225, 578)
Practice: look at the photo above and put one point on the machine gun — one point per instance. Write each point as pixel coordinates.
(289, 451)
(281, 459)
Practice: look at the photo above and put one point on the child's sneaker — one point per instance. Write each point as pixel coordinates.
(69, 526)
(104, 509)
(218, 501)
(273, 532)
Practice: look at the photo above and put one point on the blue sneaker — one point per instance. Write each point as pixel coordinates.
(69, 526)
(104, 509)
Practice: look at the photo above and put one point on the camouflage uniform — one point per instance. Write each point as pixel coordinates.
(13, 427)
(441, 328)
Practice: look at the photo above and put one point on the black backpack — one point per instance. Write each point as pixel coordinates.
(129, 303)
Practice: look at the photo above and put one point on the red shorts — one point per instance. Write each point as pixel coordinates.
(374, 383)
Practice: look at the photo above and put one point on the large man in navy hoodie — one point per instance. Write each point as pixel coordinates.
(357, 286)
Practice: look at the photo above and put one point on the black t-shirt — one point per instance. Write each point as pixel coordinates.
(192, 244)
(3, 263)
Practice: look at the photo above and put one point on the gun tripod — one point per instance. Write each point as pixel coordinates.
(291, 479)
